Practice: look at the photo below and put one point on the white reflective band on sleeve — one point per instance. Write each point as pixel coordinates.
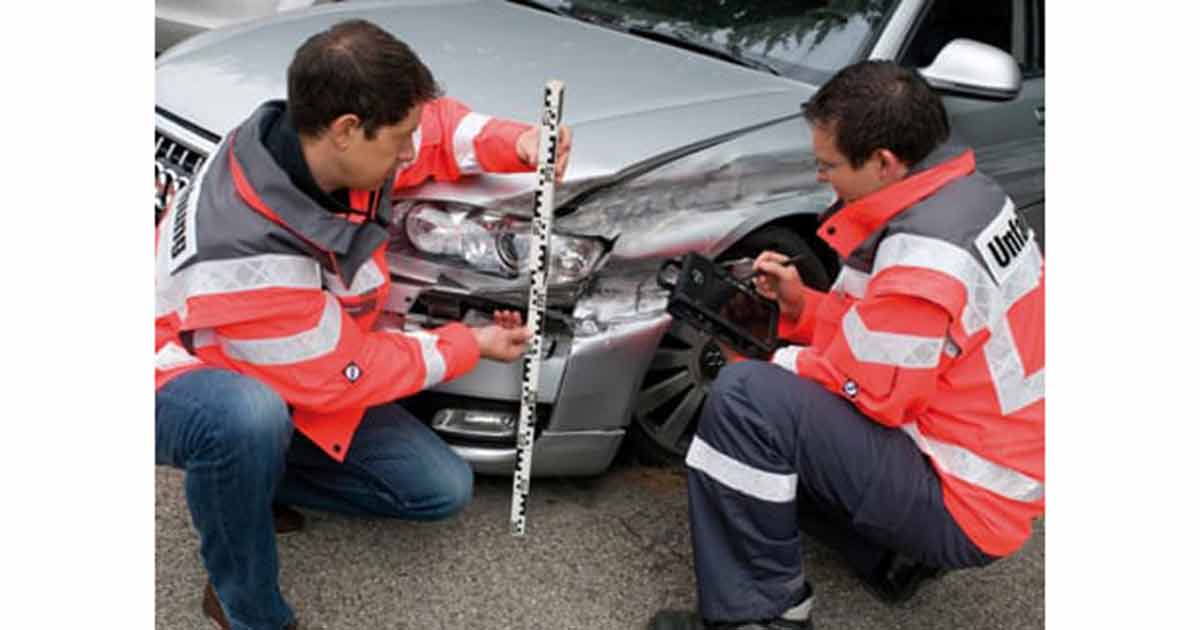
(435, 363)
(851, 281)
(368, 278)
(1014, 390)
(750, 481)
(909, 351)
(203, 338)
(987, 305)
(786, 356)
(986, 302)
(963, 464)
(310, 344)
(171, 356)
(267, 271)
(464, 142)
(910, 250)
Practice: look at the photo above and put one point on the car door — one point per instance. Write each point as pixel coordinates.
(1008, 135)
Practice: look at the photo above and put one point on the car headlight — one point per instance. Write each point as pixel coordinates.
(494, 244)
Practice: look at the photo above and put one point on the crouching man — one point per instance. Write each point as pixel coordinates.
(906, 429)
(270, 279)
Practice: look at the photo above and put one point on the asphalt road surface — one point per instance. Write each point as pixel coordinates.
(601, 553)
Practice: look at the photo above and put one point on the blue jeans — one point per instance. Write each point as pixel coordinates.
(233, 438)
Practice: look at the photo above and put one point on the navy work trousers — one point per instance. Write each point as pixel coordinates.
(776, 455)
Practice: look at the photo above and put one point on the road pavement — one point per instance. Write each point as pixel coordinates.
(600, 553)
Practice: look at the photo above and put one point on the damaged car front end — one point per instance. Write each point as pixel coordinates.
(613, 354)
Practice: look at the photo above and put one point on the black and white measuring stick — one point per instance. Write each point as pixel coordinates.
(539, 266)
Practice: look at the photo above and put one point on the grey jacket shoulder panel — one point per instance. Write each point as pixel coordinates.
(217, 223)
(277, 191)
(956, 214)
(223, 226)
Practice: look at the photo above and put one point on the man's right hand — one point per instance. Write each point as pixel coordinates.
(505, 340)
(779, 283)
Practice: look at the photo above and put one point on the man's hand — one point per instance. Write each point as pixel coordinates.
(527, 149)
(504, 340)
(507, 319)
(779, 283)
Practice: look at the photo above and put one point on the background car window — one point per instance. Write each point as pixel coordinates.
(1028, 37)
(804, 39)
(1008, 135)
(1038, 67)
(1013, 26)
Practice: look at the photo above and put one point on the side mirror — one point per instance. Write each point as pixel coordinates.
(968, 67)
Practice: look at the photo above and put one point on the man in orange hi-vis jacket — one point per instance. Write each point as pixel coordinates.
(274, 384)
(906, 428)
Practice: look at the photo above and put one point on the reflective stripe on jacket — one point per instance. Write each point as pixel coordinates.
(254, 276)
(935, 326)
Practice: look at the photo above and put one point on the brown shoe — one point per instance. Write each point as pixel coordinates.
(212, 609)
(287, 520)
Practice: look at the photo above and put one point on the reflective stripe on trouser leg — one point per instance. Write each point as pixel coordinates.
(741, 490)
(848, 470)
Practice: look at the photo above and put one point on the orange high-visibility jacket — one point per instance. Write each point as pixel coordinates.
(935, 326)
(254, 276)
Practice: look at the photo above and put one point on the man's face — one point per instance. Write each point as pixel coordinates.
(833, 167)
(368, 164)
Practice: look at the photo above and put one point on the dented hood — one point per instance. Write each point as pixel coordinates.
(628, 100)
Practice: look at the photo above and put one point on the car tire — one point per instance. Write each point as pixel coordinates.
(676, 382)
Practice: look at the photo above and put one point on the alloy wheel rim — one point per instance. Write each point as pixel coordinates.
(680, 373)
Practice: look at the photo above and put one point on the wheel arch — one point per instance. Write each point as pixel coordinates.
(801, 219)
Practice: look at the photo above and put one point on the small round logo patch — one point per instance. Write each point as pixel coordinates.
(851, 388)
(352, 372)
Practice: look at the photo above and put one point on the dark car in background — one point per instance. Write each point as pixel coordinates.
(688, 137)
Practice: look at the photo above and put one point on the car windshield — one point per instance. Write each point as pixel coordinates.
(805, 40)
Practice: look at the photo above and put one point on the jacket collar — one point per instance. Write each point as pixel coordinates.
(282, 142)
(845, 226)
(269, 190)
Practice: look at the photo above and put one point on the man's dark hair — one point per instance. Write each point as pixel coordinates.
(357, 68)
(879, 105)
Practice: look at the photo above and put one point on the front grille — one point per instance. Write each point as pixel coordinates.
(175, 165)
(177, 153)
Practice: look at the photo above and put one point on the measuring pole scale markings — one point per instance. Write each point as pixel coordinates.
(539, 262)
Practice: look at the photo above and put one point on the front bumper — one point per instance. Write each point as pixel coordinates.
(588, 387)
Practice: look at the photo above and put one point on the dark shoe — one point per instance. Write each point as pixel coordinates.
(287, 520)
(212, 609)
(898, 577)
(688, 620)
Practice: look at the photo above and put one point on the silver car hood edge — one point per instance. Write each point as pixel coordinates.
(628, 100)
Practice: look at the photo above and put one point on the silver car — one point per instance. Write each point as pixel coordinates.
(688, 137)
(177, 20)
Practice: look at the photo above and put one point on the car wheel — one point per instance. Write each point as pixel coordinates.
(687, 361)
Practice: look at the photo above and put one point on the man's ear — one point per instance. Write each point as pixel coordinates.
(891, 168)
(343, 130)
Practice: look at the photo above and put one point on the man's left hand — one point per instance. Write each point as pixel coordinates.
(527, 149)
